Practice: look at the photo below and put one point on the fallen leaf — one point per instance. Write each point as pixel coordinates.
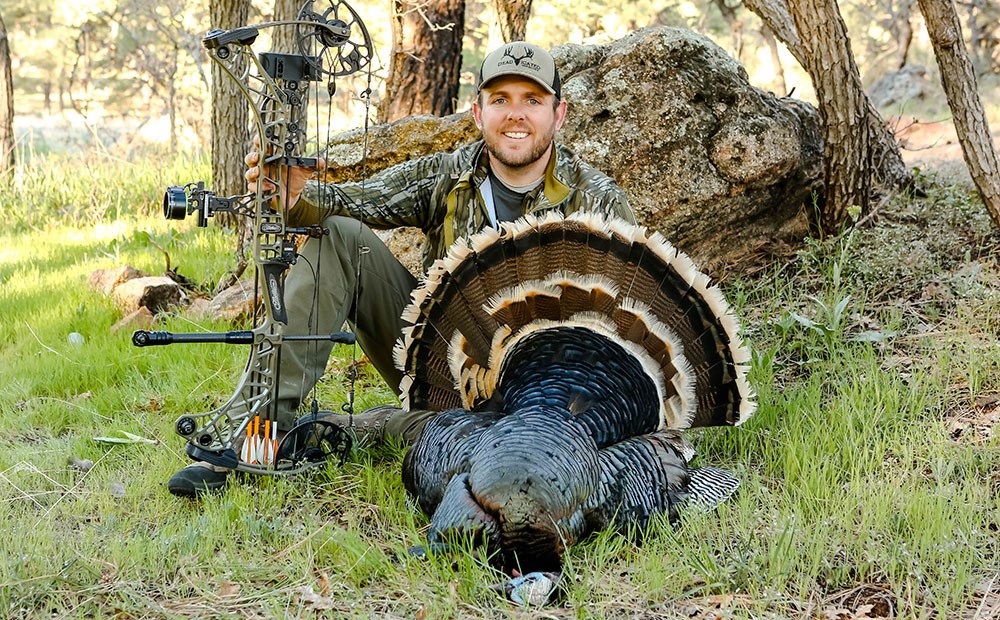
(311, 600)
(872, 336)
(228, 589)
(128, 438)
(324, 583)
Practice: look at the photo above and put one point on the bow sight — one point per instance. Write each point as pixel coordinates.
(179, 202)
(243, 433)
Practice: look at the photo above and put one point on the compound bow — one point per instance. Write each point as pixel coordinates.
(333, 42)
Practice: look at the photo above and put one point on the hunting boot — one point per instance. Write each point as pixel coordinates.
(198, 478)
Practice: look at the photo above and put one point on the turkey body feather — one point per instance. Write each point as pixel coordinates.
(566, 355)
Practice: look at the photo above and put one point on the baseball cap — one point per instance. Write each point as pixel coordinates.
(524, 59)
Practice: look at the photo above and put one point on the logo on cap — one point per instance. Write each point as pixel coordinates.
(526, 54)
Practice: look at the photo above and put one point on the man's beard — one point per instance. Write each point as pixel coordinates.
(522, 158)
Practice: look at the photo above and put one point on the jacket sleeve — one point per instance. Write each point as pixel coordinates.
(617, 205)
(397, 196)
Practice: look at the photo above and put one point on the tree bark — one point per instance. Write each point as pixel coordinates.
(426, 58)
(7, 160)
(285, 40)
(512, 17)
(230, 116)
(886, 161)
(847, 174)
(959, 80)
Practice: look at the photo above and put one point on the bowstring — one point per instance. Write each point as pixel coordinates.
(326, 190)
(366, 96)
(313, 347)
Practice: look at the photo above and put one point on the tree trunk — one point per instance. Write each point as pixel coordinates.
(779, 69)
(959, 80)
(902, 31)
(7, 160)
(847, 174)
(172, 100)
(889, 170)
(975, 37)
(735, 25)
(230, 116)
(426, 58)
(284, 36)
(512, 17)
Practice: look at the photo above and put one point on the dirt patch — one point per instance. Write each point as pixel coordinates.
(932, 145)
(868, 601)
(976, 424)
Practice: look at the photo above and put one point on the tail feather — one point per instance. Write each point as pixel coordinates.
(710, 486)
(618, 280)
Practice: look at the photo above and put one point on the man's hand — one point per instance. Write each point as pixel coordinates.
(295, 178)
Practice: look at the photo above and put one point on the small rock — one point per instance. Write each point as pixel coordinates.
(75, 339)
(116, 489)
(234, 302)
(105, 280)
(532, 590)
(141, 318)
(910, 83)
(81, 465)
(157, 293)
(199, 308)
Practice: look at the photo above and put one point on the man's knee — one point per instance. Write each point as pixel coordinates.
(345, 232)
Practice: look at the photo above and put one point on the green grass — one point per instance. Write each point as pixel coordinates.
(856, 490)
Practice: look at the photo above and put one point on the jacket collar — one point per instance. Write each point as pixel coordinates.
(554, 188)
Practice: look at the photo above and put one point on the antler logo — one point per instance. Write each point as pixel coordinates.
(527, 53)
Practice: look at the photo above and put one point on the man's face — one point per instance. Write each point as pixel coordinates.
(518, 119)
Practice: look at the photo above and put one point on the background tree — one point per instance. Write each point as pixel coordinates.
(732, 18)
(847, 166)
(512, 17)
(426, 58)
(860, 153)
(284, 36)
(6, 107)
(147, 40)
(959, 79)
(230, 115)
(779, 70)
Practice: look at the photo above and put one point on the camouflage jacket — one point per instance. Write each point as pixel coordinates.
(440, 195)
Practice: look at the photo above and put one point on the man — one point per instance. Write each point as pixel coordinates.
(516, 169)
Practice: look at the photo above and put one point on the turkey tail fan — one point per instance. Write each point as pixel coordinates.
(531, 290)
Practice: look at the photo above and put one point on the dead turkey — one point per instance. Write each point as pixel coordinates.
(566, 356)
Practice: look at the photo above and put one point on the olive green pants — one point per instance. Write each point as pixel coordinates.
(348, 276)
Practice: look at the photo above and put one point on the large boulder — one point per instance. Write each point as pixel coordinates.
(721, 168)
(901, 87)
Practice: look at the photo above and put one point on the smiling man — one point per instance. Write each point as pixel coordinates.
(516, 169)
